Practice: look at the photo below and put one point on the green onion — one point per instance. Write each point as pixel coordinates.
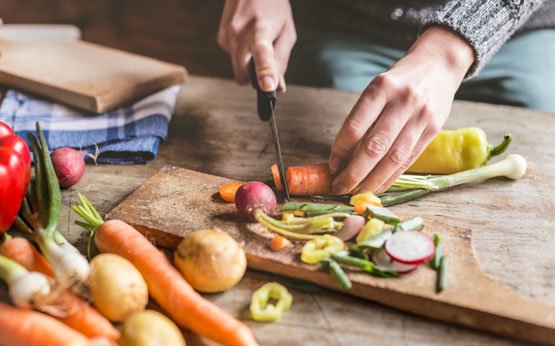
(435, 261)
(315, 209)
(365, 265)
(44, 198)
(409, 186)
(415, 223)
(375, 242)
(337, 274)
(26, 289)
(442, 274)
(384, 214)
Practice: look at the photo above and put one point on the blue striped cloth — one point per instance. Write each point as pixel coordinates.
(127, 135)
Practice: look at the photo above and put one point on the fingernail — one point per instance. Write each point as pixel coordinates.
(339, 189)
(267, 83)
(334, 165)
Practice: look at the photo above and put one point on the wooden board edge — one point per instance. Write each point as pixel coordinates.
(109, 101)
(443, 312)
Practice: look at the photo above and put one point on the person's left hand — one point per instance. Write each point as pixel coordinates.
(399, 113)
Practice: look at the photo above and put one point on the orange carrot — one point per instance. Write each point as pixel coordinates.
(23, 252)
(361, 206)
(81, 316)
(279, 243)
(228, 191)
(275, 174)
(167, 286)
(30, 328)
(306, 180)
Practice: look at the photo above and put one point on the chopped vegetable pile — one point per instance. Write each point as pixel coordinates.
(377, 242)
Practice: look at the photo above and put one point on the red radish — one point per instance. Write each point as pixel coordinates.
(384, 262)
(69, 166)
(410, 247)
(352, 225)
(255, 195)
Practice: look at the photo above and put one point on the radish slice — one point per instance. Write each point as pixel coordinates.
(410, 247)
(384, 262)
(352, 225)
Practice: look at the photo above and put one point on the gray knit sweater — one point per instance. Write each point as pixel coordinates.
(485, 24)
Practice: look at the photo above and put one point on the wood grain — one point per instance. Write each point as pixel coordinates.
(176, 202)
(84, 75)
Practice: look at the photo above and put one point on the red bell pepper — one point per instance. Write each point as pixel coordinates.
(15, 174)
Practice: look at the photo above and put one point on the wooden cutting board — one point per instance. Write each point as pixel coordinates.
(84, 75)
(175, 202)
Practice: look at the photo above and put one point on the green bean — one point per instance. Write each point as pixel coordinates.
(338, 275)
(435, 261)
(442, 274)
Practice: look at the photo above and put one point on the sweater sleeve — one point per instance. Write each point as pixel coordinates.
(485, 24)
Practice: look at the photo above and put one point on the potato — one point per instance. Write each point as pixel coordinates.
(150, 328)
(116, 286)
(210, 260)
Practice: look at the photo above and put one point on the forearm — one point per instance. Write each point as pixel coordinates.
(485, 24)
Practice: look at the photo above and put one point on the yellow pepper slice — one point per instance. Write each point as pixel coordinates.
(373, 227)
(365, 197)
(315, 250)
(264, 311)
(456, 151)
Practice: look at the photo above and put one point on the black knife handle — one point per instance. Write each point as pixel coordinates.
(265, 100)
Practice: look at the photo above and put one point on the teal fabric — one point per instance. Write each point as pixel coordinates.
(521, 73)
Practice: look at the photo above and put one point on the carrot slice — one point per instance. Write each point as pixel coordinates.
(305, 180)
(277, 180)
(228, 191)
(279, 243)
(361, 206)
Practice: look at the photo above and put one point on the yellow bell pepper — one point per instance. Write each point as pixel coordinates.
(316, 250)
(262, 310)
(373, 227)
(456, 151)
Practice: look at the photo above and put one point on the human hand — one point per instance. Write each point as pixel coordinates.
(399, 113)
(263, 30)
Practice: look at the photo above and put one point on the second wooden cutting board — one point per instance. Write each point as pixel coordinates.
(84, 75)
(175, 202)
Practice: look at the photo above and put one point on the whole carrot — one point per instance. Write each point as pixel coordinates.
(80, 315)
(30, 328)
(306, 180)
(165, 284)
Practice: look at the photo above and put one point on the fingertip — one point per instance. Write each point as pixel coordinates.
(267, 83)
(334, 164)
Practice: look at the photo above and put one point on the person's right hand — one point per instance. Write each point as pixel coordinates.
(263, 30)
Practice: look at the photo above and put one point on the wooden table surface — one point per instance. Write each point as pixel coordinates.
(215, 130)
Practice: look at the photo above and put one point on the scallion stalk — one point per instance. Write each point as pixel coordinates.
(409, 187)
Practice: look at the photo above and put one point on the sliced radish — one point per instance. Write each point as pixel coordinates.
(384, 262)
(410, 247)
(352, 225)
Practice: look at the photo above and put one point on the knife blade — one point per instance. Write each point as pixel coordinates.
(265, 105)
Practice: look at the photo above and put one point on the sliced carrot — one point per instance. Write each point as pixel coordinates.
(166, 285)
(279, 243)
(228, 191)
(305, 180)
(80, 315)
(275, 174)
(32, 328)
(361, 206)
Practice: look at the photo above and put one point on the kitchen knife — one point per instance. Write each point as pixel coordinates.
(265, 104)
